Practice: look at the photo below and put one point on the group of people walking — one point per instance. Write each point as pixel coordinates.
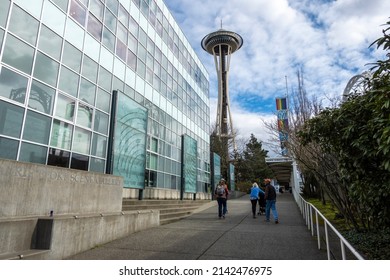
(265, 198)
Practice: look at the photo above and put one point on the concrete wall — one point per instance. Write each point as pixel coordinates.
(154, 193)
(30, 189)
(72, 236)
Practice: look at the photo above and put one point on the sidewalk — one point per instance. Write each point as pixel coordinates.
(205, 237)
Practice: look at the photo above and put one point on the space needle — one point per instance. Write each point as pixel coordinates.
(221, 44)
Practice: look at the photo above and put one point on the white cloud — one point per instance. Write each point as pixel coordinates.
(327, 40)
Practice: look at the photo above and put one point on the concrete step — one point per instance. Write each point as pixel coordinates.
(170, 210)
(32, 254)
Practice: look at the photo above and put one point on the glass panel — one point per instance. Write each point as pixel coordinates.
(101, 122)
(84, 115)
(58, 158)
(71, 57)
(132, 43)
(131, 60)
(65, 107)
(113, 5)
(95, 27)
(97, 8)
(143, 38)
(123, 15)
(41, 97)
(121, 50)
(50, 42)
(97, 165)
(1, 38)
(103, 100)
(4, 12)
(122, 32)
(87, 91)
(108, 40)
(130, 142)
(54, 18)
(18, 54)
(141, 69)
(11, 117)
(90, 69)
(23, 25)
(46, 69)
(99, 144)
(142, 53)
(79, 162)
(133, 27)
(110, 21)
(105, 79)
(63, 4)
(81, 141)
(33, 153)
(8, 148)
(61, 134)
(69, 81)
(78, 12)
(12, 85)
(37, 128)
(33, 7)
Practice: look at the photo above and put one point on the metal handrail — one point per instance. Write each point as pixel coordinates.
(307, 213)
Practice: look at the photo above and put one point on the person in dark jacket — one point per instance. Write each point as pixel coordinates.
(270, 201)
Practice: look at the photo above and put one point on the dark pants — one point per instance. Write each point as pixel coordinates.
(261, 205)
(254, 205)
(221, 206)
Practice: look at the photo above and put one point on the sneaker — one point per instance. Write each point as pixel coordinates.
(267, 220)
(223, 216)
(276, 222)
(254, 217)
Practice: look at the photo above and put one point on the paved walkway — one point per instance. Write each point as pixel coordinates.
(205, 237)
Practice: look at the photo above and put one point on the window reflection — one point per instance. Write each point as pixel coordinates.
(103, 100)
(58, 157)
(61, 134)
(97, 8)
(78, 12)
(65, 107)
(84, 115)
(81, 141)
(37, 128)
(12, 85)
(18, 54)
(69, 81)
(87, 91)
(8, 148)
(11, 117)
(79, 162)
(46, 69)
(50, 42)
(95, 27)
(41, 97)
(23, 25)
(32, 153)
(99, 144)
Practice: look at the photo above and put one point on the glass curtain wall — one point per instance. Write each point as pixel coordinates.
(60, 60)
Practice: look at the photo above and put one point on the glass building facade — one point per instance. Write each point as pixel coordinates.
(61, 60)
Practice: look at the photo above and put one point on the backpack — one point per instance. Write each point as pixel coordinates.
(220, 190)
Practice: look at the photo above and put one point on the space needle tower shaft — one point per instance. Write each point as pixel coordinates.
(221, 44)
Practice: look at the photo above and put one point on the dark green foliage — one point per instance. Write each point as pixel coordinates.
(373, 245)
(357, 134)
(251, 165)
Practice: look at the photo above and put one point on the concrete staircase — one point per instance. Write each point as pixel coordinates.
(170, 210)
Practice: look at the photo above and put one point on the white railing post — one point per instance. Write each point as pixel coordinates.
(318, 232)
(327, 239)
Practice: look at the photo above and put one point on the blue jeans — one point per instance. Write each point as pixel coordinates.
(271, 205)
(221, 206)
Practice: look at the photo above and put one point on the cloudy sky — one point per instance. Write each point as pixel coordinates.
(327, 40)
